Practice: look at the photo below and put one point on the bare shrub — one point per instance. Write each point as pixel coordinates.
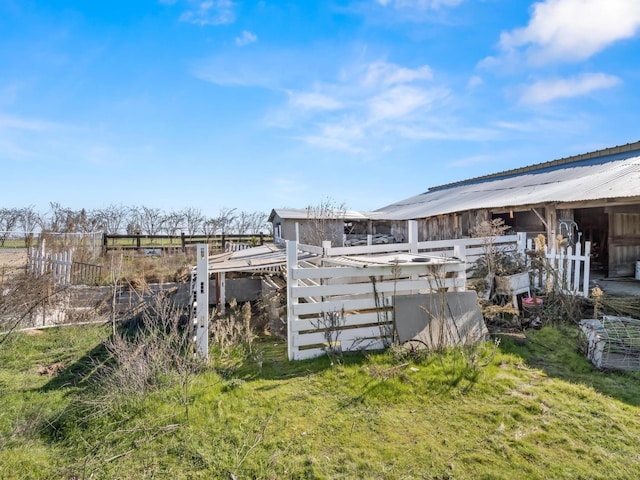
(232, 336)
(24, 299)
(331, 324)
(155, 350)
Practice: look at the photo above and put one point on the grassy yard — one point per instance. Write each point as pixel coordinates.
(538, 410)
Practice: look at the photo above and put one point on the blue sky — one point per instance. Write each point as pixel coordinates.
(264, 104)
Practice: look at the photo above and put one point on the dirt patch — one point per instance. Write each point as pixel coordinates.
(50, 370)
(33, 332)
(12, 261)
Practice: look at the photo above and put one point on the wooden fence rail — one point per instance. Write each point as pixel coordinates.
(179, 242)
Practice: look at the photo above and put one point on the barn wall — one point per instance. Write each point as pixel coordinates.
(624, 240)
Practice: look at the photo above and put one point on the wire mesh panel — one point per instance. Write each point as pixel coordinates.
(612, 342)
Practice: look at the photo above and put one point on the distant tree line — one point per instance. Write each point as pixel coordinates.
(137, 220)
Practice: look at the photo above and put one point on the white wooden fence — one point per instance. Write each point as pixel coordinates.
(346, 303)
(340, 302)
(565, 268)
(56, 264)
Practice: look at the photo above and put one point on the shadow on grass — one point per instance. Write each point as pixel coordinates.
(270, 362)
(79, 373)
(554, 350)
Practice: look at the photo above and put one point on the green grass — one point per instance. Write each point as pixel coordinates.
(539, 411)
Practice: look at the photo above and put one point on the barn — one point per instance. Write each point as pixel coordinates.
(589, 197)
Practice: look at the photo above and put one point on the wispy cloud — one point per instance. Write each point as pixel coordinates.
(401, 101)
(209, 12)
(385, 74)
(11, 122)
(245, 38)
(363, 107)
(419, 4)
(403, 11)
(547, 90)
(572, 30)
(313, 101)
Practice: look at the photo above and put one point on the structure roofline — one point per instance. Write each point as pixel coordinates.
(629, 147)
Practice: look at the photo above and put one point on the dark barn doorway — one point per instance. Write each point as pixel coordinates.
(594, 225)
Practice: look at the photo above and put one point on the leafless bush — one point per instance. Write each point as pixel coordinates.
(23, 299)
(154, 351)
(331, 324)
(231, 334)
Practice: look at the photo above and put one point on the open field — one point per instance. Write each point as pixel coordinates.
(11, 262)
(538, 410)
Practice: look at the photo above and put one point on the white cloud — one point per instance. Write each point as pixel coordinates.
(343, 135)
(419, 4)
(209, 12)
(400, 101)
(547, 90)
(573, 30)
(474, 82)
(246, 38)
(313, 101)
(366, 106)
(8, 122)
(385, 74)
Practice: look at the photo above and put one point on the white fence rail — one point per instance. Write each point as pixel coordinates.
(57, 264)
(355, 303)
(338, 303)
(566, 268)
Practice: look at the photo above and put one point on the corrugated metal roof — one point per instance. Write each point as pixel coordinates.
(592, 179)
(250, 259)
(305, 214)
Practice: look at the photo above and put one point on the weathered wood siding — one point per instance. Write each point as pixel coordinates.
(624, 240)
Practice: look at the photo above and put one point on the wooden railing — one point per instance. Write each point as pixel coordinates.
(161, 243)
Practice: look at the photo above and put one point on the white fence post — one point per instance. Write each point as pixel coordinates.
(587, 269)
(201, 319)
(522, 243)
(412, 227)
(292, 261)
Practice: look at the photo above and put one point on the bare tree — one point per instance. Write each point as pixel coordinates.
(259, 223)
(325, 222)
(111, 218)
(225, 220)
(87, 222)
(151, 220)
(54, 220)
(134, 224)
(241, 223)
(28, 221)
(193, 220)
(210, 227)
(173, 222)
(250, 223)
(9, 218)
